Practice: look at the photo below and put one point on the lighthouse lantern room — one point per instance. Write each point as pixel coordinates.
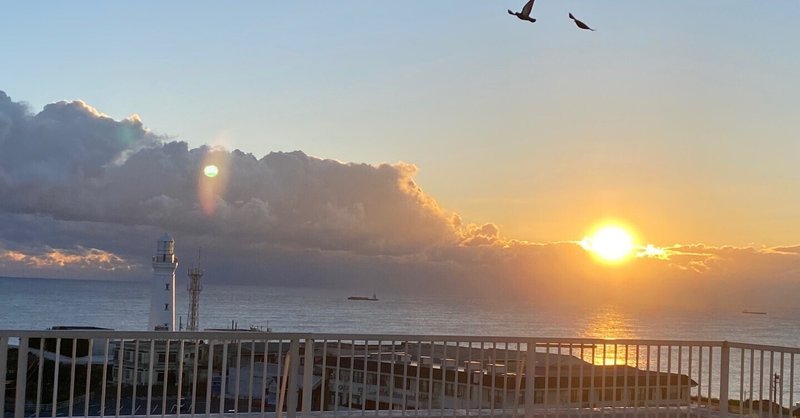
(162, 302)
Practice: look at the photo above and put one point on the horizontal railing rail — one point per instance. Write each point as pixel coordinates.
(253, 373)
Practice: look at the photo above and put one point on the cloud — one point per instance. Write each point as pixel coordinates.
(65, 142)
(87, 195)
(84, 173)
(54, 261)
(486, 234)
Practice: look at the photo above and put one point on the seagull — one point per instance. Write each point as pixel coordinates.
(525, 14)
(580, 24)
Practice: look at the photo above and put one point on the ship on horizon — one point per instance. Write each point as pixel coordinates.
(753, 312)
(373, 298)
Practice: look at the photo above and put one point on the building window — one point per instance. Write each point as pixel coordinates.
(642, 394)
(166, 306)
(166, 286)
(448, 389)
(538, 396)
(608, 395)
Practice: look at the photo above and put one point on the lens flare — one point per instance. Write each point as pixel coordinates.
(212, 179)
(211, 171)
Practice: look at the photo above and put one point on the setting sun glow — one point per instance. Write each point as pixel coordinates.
(610, 243)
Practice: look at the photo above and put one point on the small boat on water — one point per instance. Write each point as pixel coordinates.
(753, 312)
(373, 298)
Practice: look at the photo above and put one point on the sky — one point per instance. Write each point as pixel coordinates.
(446, 142)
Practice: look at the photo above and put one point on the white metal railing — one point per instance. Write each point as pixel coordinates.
(118, 374)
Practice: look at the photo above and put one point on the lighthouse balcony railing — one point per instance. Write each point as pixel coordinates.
(165, 258)
(117, 373)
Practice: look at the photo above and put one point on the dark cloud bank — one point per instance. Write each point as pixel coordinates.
(85, 196)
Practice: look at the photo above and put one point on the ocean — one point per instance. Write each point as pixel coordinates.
(34, 304)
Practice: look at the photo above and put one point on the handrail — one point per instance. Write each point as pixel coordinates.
(751, 346)
(245, 335)
(380, 372)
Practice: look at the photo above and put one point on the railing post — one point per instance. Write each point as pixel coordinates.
(530, 377)
(292, 372)
(308, 372)
(3, 361)
(22, 375)
(724, 378)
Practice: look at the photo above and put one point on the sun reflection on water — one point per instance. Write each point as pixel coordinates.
(610, 324)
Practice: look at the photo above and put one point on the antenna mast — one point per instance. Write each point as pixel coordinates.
(194, 288)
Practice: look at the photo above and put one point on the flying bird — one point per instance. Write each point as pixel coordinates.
(580, 24)
(525, 14)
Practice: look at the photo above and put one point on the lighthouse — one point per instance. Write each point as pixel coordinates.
(162, 302)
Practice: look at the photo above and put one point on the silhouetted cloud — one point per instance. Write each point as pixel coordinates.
(84, 195)
(78, 170)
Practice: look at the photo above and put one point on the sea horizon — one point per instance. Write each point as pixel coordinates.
(40, 303)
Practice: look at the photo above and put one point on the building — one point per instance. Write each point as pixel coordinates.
(405, 379)
(263, 380)
(162, 302)
(133, 363)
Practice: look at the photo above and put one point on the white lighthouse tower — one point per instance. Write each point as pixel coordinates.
(162, 302)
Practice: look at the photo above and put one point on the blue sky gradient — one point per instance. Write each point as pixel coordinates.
(677, 116)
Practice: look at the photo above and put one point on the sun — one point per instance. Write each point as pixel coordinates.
(610, 243)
